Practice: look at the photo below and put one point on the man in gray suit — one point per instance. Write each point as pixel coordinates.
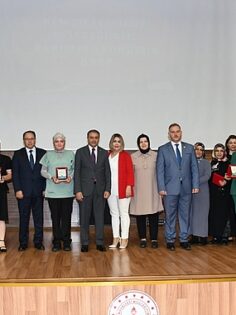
(92, 185)
(177, 180)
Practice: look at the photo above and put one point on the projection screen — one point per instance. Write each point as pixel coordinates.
(127, 66)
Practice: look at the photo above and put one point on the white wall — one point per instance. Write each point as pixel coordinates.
(127, 66)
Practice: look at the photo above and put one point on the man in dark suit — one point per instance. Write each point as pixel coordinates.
(29, 186)
(92, 185)
(177, 180)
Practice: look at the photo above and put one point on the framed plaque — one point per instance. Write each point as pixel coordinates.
(61, 173)
(233, 170)
(217, 178)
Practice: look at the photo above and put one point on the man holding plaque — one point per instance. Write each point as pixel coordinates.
(29, 186)
(92, 186)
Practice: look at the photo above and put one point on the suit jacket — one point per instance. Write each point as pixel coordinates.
(86, 173)
(170, 177)
(24, 178)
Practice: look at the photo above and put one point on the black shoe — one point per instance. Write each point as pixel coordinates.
(194, 240)
(154, 244)
(84, 248)
(101, 248)
(185, 245)
(56, 248)
(224, 241)
(143, 243)
(22, 248)
(39, 246)
(214, 241)
(170, 246)
(67, 247)
(203, 241)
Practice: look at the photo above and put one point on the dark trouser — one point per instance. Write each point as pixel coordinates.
(153, 225)
(61, 210)
(95, 203)
(25, 205)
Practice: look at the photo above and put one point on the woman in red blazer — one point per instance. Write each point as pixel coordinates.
(122, 182)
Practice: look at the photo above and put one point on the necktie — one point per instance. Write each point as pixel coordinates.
(93, 156)
(31, 159)
(178, 155)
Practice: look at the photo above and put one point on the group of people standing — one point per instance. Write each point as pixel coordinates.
(177, 178)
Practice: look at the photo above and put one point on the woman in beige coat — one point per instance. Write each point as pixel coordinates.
(146, 202)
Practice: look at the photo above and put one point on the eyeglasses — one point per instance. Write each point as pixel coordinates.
(28, 139)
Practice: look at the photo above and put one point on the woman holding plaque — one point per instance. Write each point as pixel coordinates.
(122, 182)
(201, 201)
(5, 176)
(146, 203)
(219, 195)
(58, 169)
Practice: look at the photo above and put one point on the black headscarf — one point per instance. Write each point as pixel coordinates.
(138, 143)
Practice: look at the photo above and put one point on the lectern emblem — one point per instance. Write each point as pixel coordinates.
(133, 303)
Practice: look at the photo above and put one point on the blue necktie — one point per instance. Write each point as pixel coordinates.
(31, 159)
(178, 155)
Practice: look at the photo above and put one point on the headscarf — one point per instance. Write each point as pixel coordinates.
(200, 144)
(138, 143)
(219, 145)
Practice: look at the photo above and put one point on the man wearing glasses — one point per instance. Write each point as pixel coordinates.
(29, 186)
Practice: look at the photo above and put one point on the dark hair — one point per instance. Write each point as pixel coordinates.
(174, 125)
(227, 141)
(29, 131)
(93, 130)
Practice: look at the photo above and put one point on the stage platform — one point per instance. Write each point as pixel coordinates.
(200, 281)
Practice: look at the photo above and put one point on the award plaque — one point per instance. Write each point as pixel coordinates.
(61, 173)
(217, 178)
(233, 170)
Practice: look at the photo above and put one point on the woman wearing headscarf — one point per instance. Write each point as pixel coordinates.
(219, 195)
(201, 201)
(58, 169)
(5, 176)
(146, 203)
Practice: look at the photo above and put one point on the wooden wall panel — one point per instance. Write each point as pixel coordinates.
(176, 298)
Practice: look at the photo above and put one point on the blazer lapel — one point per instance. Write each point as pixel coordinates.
(98, 155)
(37, 156)
(183, 150)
